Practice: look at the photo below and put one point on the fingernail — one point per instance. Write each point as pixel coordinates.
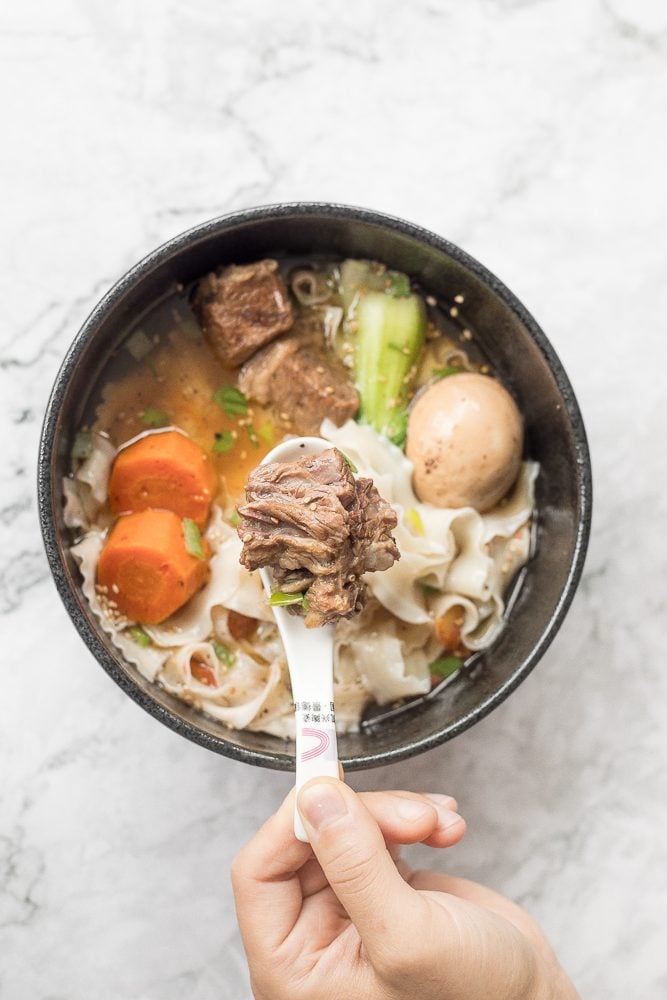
(438, 799)
(321, 804)
(413, 811)
(446, 815)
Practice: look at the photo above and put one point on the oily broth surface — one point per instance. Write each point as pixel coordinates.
(180, 376)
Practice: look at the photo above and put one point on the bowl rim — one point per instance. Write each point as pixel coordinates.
(46, 494)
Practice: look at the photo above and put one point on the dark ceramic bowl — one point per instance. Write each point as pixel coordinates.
(522, 357)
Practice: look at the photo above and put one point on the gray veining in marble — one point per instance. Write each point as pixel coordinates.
(531, 132)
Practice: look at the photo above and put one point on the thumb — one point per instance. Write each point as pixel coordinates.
(350, 848)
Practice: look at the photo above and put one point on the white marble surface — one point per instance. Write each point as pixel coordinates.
(531, 132)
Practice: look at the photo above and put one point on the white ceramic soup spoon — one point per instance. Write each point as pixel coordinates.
(309, 654)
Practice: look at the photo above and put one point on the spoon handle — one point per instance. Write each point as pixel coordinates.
(316, 746)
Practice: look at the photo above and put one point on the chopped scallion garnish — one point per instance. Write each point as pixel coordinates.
(231, 400)
(234, 518)
(140, 637)
(414, 519)
(192, 536)
(252, 435)
(224, 653)
(266, 433)
(428, 588)
(350, 464)
(279, 599)
(445, 372)
(152, 417)
(224, 442)
(446, 666)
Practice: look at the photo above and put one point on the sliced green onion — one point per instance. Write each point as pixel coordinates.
(82, 447)
(350, 464)
(224, 442)
(305, 603)
(224, 653)
(445, 372)
(428, 588)
(231, 400)
(279, 599)
(139, 345)
(192, 536)
(446, 666)
(252, 435)
(266, 433)
(234, 518)
(414, 519)
(153, 417)
(397, 429)
(140, 637)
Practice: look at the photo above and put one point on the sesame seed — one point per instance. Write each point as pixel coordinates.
(115, 588)
(431, 300)
(485, 369)
(459, 299)
(453, 311)
(467, 335)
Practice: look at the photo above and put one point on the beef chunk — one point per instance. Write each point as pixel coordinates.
(318, 530)
(242, 308)
(302, 381)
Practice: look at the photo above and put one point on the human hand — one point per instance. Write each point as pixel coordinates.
(344, 917)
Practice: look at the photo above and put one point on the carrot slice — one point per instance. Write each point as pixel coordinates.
(145, 567)
(167, 471)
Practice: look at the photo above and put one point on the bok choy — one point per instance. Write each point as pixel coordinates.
(390, 334)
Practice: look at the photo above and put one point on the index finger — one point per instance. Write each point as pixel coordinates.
(267, 890)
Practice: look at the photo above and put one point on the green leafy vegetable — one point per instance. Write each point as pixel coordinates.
(140, 637)
(357, 276)
(399, 284)
(446, 666)
(139, 345)
(82, 447)
(153, 417)
(389, 338)
(266, 432)
(279, 599)
(231, 400)
(192, 536)
(445, 372)
(224, 442)
(414, 519)
(224, 653)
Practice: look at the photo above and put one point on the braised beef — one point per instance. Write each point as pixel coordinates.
(242, 308)
(319, 530)
(303, 381)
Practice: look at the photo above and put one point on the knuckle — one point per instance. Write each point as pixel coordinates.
(238, 868)
(353, 872)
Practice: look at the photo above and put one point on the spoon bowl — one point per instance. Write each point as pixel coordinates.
(309, 653)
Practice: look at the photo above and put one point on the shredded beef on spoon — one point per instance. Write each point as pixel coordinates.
(318, 530)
